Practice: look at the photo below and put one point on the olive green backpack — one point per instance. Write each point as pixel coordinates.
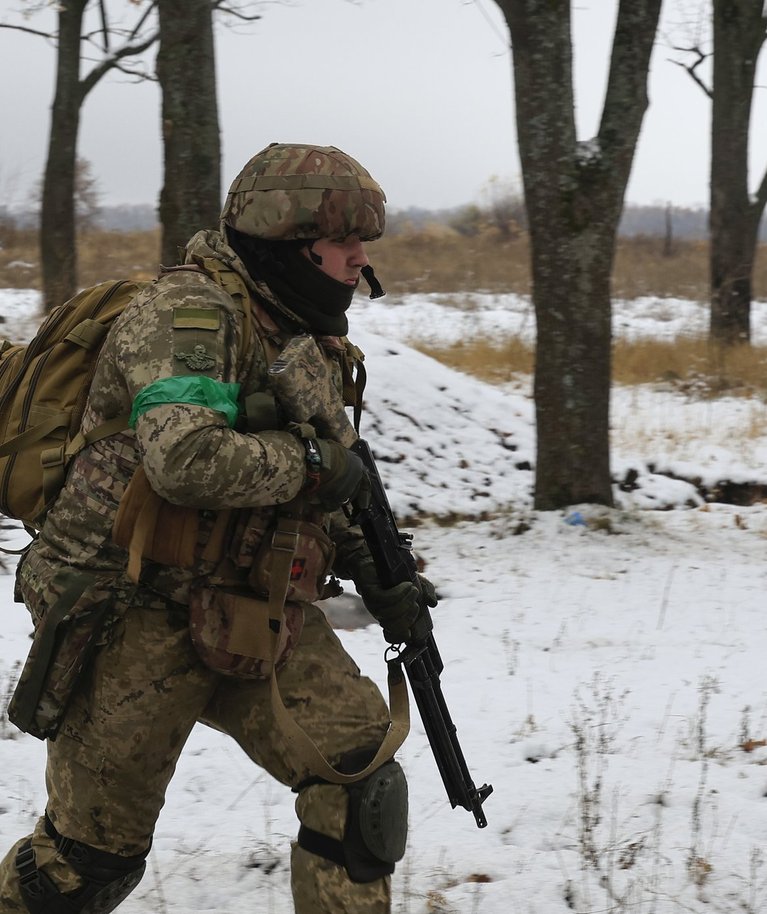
(43, 389)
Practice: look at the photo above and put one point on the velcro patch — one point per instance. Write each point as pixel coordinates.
(196, 318)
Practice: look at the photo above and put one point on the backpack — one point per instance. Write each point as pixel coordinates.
(43, 389)
(44, 386)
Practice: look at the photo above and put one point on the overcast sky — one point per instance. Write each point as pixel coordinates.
(420, 91)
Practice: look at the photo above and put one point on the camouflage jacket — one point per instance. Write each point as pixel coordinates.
(183, 324)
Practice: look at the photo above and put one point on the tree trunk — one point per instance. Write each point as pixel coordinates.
(57, 221)
(574, 197)
(739, 33)
(191, 195)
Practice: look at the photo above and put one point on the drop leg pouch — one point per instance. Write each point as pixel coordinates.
(64, 642)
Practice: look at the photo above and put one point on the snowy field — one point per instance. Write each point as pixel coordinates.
(605, 668)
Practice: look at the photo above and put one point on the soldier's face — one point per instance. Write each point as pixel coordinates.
(341, 260)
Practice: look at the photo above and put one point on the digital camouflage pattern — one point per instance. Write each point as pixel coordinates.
(289, 192)
(109, 768)
(190, 454)
(147, 686)
(301, 381)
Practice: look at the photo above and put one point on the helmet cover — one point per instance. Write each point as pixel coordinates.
(290, 192)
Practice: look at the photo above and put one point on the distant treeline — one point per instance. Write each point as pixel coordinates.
(652, 221)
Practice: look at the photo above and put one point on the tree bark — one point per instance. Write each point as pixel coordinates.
(574, 196)
(191, 195)
(739, 33)
(57, 220)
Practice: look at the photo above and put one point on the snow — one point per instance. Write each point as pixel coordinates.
(604, 668)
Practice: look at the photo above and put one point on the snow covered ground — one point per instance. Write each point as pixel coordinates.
(605, 669)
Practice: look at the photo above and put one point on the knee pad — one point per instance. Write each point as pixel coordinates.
(108, 878)
(375, 834)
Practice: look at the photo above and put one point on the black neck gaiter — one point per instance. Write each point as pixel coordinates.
(316, 299)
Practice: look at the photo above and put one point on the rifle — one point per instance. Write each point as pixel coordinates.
(420, 658)
(314, 401)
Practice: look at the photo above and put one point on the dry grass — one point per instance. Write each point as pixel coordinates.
(114, 255)
(102, 255)
(440, 260)
(690, 364)
(437, 259)
(642, 269)
(494, 361)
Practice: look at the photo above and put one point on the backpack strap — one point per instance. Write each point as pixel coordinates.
(55, 460)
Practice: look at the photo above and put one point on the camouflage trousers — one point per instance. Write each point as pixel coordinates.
(110, 765)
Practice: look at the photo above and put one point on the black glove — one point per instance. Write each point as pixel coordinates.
(339, 474)
(397, 609)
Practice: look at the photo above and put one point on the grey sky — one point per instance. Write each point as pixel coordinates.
(420, 91)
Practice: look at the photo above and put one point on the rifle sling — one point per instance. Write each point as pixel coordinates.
(305, 749)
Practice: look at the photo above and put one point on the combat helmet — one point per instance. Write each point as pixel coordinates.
(293, 192)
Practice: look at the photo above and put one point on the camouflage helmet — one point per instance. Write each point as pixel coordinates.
(289, 192)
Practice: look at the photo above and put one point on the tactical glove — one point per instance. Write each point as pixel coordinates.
(397, 609)
(335, 474)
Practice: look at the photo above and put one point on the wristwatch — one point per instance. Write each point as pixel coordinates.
(313, 464)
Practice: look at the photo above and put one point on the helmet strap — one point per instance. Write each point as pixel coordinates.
(376, 289)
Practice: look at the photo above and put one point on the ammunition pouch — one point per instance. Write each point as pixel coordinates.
(65, 640)
(250, 629)
(238, 634)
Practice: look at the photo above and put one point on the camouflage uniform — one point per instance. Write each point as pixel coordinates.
(115, 753)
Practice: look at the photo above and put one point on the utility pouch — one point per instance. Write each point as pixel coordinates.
(63, 645)
(150, 527)
(240, 635)
(312, 558)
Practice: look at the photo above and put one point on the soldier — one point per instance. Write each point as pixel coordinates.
(177, 530)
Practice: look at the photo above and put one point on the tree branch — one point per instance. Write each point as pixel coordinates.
(692, 68)
(113, 61)
(626, 95)
(138, 74)
(24, 28)
(104, 25)
(233, 11)
(142, 20)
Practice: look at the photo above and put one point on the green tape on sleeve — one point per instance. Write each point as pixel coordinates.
(194, 390)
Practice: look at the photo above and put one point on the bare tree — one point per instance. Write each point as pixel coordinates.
(739, 34)
(190, 196)
(740, 29)
(574, 197)
(86, 197)
(58, 246)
